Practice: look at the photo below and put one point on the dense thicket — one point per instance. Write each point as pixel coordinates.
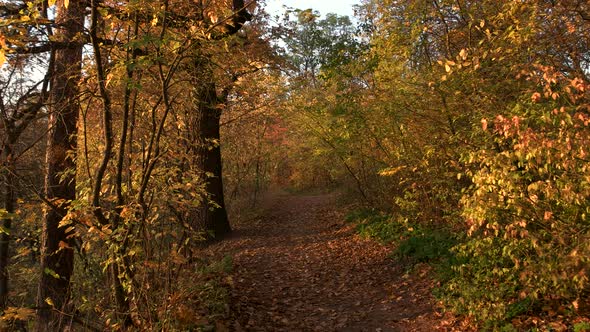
(133, 160)
(465, 123)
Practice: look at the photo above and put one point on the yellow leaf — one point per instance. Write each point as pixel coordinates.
(463, 54)
(14, 313)
(25, 313)
(109, 78)
(214, 19)
(484, 124)
(106, 230)
(2, 57)
(447, 68)
(66, 3)
(51, 3)
(391, 171)
(49, 301)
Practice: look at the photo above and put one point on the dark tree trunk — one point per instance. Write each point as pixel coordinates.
(57, 256)
(212, 215)
(9, 206)
(202, 137)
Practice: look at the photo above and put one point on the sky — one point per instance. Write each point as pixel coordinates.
(340, 7)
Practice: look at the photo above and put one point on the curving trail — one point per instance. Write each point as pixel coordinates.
(300, 267)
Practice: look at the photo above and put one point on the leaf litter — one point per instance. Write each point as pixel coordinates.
(300, 267)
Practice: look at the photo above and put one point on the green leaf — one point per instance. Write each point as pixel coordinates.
(50, 272)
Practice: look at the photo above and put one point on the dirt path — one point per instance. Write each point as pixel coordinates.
(301, 268)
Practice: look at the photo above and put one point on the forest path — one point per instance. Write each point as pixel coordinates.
(300, 267)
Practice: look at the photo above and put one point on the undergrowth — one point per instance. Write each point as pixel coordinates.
(414, 243)
(472, 275)
(203, 302)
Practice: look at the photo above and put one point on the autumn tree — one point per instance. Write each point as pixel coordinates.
(57, 253)
(139, 177)
(330, 70)
(203, 134)
(24, 93)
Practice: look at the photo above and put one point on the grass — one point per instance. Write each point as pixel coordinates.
(414, 243)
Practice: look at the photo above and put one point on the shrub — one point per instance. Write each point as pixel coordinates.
(528, 209)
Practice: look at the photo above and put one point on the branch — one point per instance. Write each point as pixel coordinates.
(107, 116)
(60, 45)
(233, 23)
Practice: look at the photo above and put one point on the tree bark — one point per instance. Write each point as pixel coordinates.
(211, 215)
(57, 256)
(9, 206)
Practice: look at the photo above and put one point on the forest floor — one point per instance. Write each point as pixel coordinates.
(299, 266)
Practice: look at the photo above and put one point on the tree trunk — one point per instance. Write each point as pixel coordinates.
(9, 206)
(212, 215)
(57, 255)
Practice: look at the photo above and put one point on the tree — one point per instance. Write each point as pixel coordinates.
(329, 68)
(316, 46)
(57, 245)
(23, 94)
(212, 215)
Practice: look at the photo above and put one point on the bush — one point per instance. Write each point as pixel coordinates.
(528, 213)
(484, 280)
